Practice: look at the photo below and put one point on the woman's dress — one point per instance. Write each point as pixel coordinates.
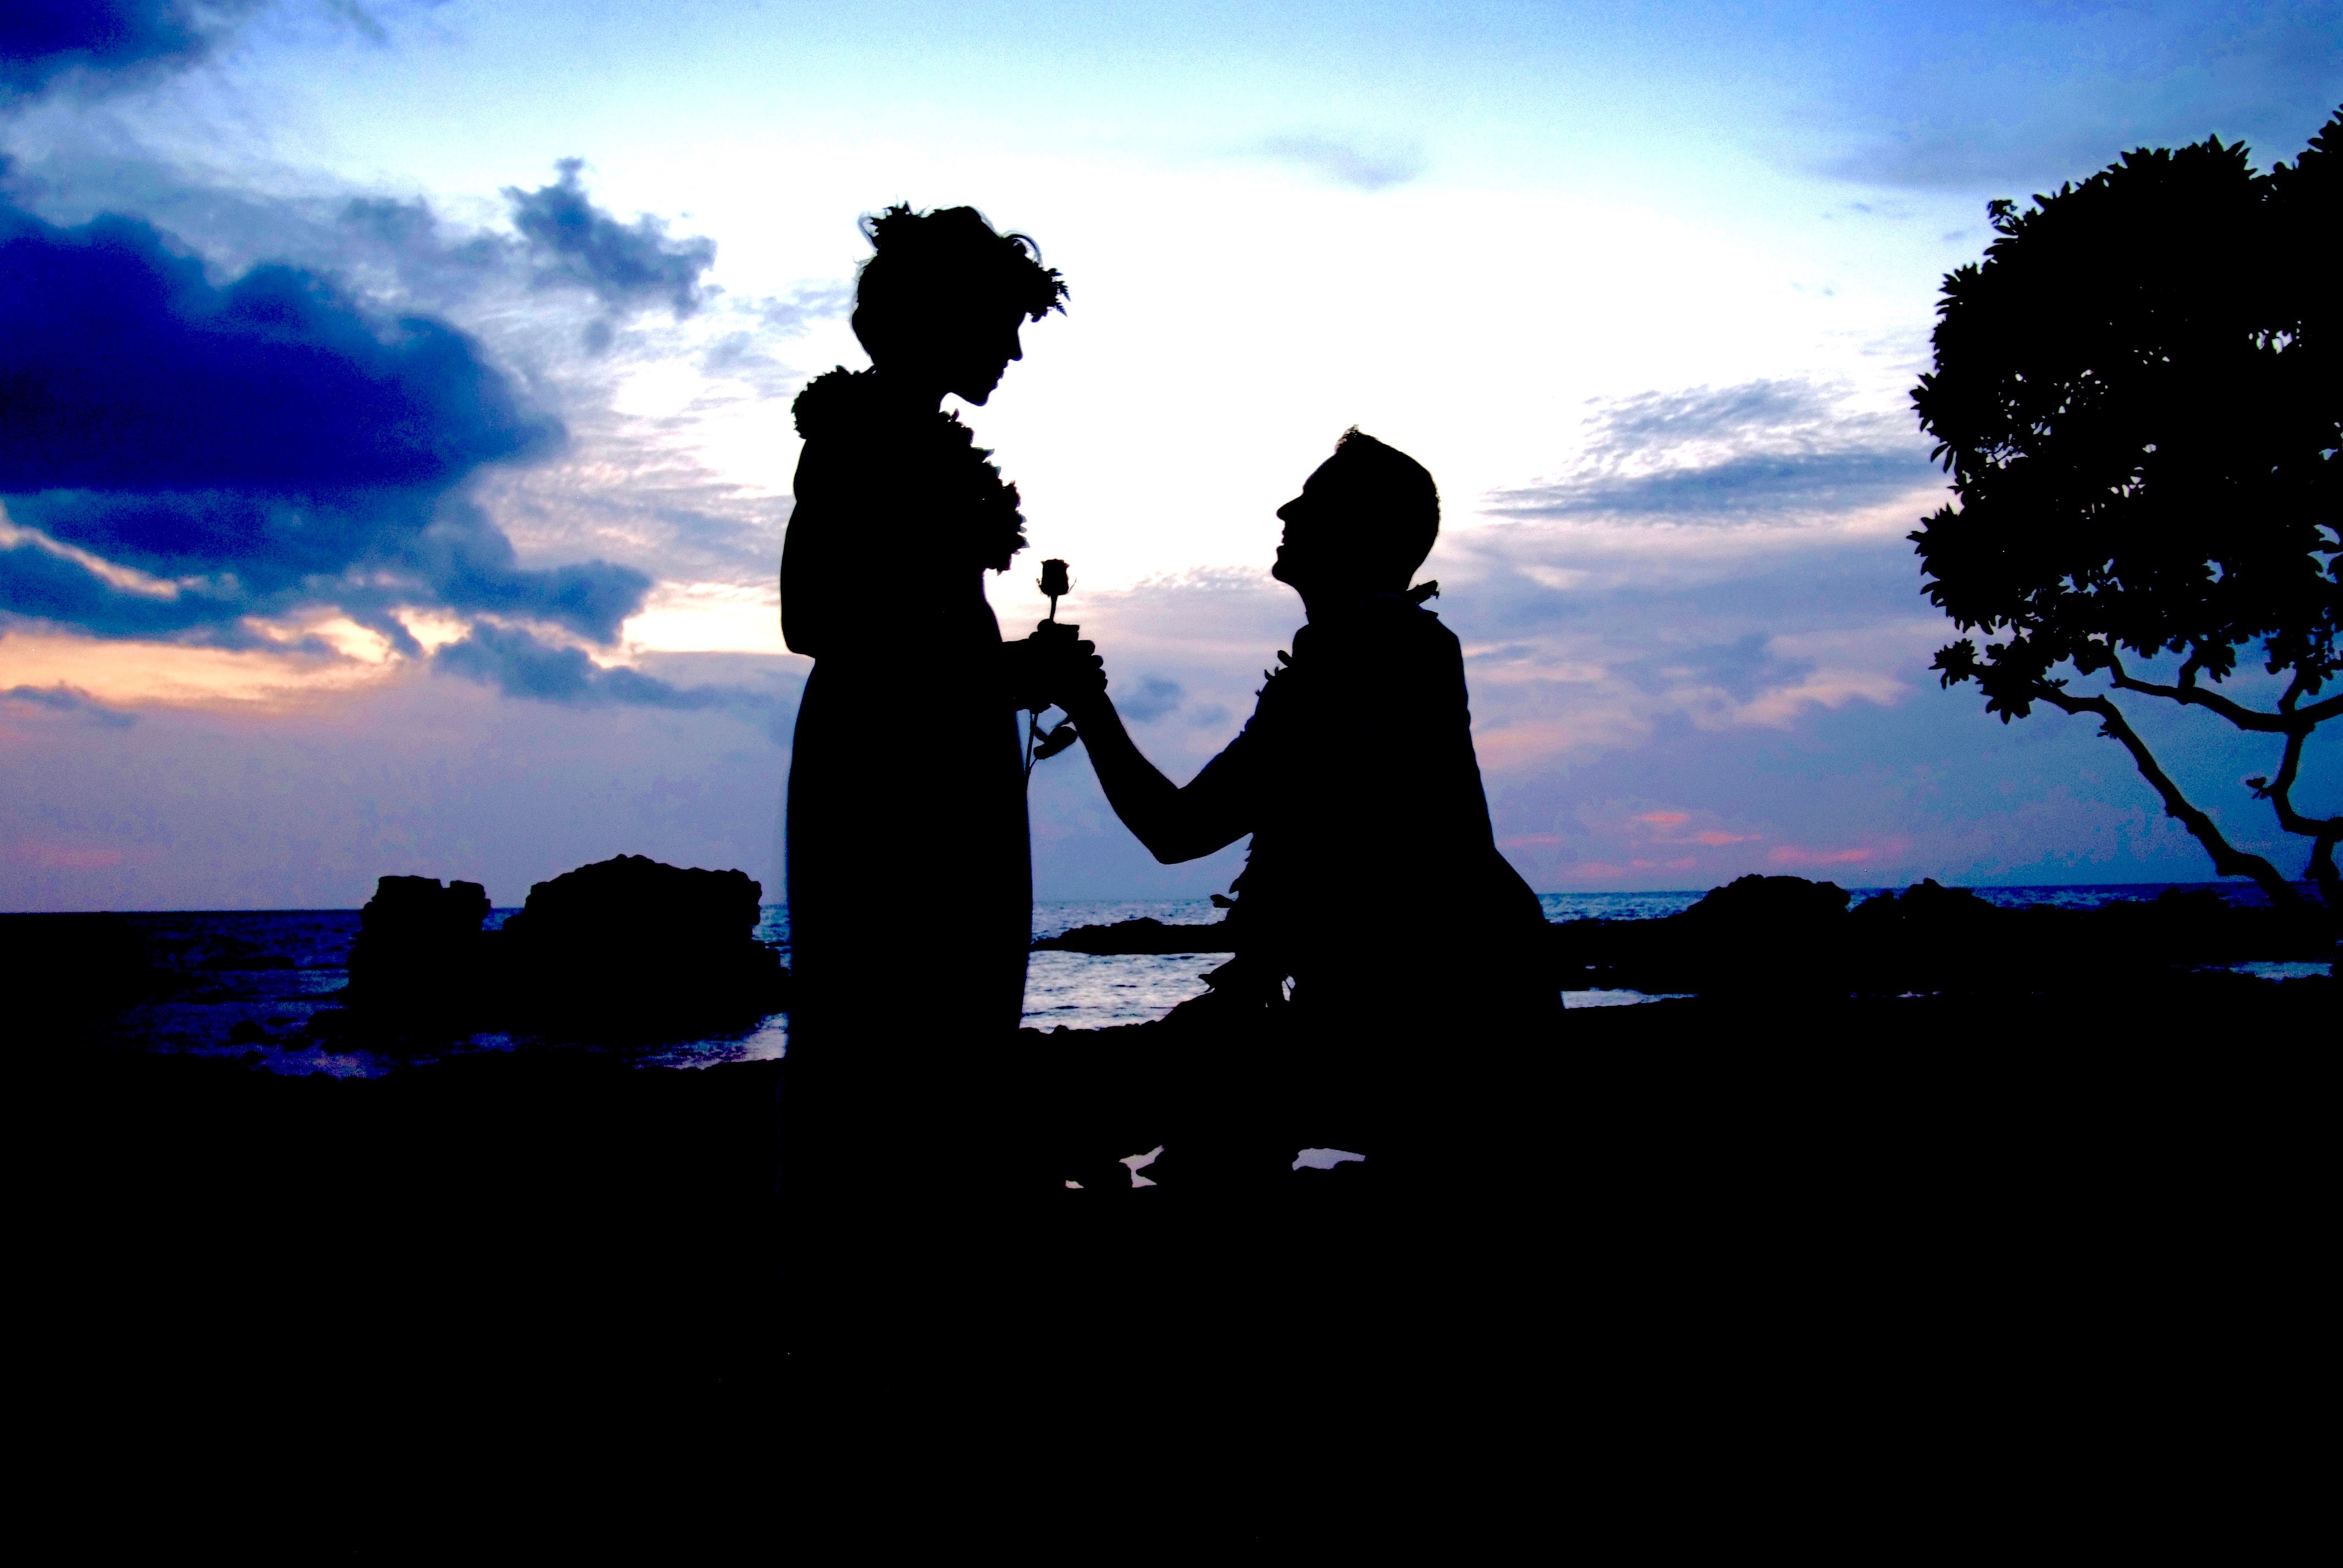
(910, 876)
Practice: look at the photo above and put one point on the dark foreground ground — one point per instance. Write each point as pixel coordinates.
(1873, 1277)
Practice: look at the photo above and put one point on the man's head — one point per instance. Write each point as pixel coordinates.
(1363, 523)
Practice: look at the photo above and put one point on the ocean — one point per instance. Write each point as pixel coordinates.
(250, 981)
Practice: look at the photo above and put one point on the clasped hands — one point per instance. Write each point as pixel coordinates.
(1055, 669)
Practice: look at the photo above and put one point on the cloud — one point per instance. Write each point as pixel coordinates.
(1149, 698)
(1766, 451)
(427, 261)
(181, 455)
(635, 482)
(126, 368)
(1797, 855)
(519, 665)
(1740, 488)
(97, 43)
(1584, 639)
(1343, 161)
(183, 563)
(804, 305)
(64, 699)
(626, 267)
(1741, 668)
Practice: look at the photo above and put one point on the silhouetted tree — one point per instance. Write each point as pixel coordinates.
(2138, 394)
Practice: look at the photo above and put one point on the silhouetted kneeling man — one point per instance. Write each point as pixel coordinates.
(1416, 1010)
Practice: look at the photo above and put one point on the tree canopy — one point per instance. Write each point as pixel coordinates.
(2138, 394)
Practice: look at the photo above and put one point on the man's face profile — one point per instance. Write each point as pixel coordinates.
(1309, 519)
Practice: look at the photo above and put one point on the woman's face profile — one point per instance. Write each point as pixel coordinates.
(972, 358)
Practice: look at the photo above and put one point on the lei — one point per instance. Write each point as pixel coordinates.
(844, 403)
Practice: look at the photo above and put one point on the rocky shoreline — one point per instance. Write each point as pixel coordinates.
(1789, 934)
(628, 954)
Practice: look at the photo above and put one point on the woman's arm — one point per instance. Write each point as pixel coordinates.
(812, 589)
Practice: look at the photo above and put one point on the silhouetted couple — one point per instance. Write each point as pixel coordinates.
(1384, 996)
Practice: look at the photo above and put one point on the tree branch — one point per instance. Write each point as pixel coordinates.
(2323, 833)
(2236, 713)
(2227, 860)
(2319, 712)
(2287, 721)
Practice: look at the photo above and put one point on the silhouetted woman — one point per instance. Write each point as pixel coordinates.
(909, 880)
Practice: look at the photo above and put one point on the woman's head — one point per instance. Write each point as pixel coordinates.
(943, 296)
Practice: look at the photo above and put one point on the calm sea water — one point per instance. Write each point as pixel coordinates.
(253, 979)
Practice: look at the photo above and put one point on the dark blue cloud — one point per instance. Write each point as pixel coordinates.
(122, 366)
(627, 266)
(99, 41)
(64, 699)
(219, 555)
(254, 447)
(520, 665)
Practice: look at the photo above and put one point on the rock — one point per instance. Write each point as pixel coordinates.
(1927, 902)
(1761, 901)
(632, 946)
(1786, 935)
(69, 972)
(624, 948)
(1776, 935)
(419, 956)
(1142, 935)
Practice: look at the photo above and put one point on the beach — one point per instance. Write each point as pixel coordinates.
(1756, 1222)
(2096, 1206)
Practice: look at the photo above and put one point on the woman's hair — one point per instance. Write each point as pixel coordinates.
(927, 263)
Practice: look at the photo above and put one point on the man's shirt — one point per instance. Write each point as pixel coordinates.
(1356, 775)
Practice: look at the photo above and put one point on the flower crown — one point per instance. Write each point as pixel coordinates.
(958, 243)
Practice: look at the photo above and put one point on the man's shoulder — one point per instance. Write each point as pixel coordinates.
(1392, 629)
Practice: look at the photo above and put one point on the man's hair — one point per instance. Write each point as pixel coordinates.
(1392, 497)
(927, 263)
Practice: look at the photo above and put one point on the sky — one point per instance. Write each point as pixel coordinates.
(428, 367)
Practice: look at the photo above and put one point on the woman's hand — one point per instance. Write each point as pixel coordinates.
(1023, 675)
(1052, 668)
(1069, 671)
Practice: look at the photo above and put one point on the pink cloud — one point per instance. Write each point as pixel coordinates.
(1793, 855)
(1714, 836)
(1665, 819)
(67, 856)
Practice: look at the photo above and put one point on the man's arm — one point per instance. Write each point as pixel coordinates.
(1175, 823)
